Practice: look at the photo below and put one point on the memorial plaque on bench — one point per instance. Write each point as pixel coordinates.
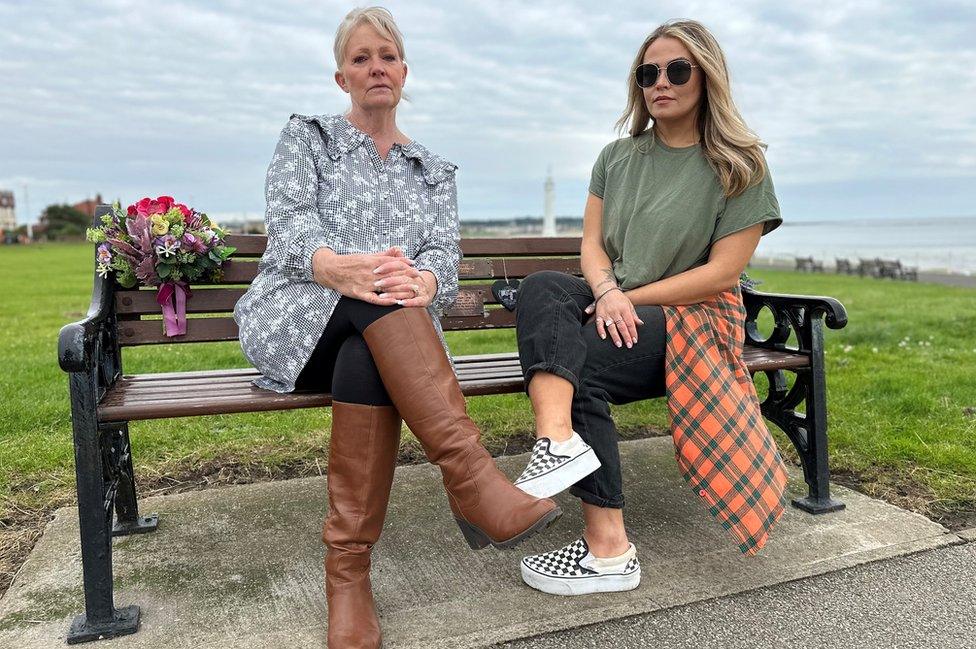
(469, 303)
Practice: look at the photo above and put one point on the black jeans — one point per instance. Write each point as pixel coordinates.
(342, 363)
(553, 336)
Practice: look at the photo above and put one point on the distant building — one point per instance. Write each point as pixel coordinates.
(88, 206)
(8, 217)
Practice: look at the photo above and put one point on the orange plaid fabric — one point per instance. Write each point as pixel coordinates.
(722, 445)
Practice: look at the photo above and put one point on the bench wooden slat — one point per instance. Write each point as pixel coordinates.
(204, 300)
(243, 271)
(181, 383)
(180, 394)
(222, 300)
(150, 332)
(254, 245)
(167, 376)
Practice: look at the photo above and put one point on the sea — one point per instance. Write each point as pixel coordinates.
(942, 245)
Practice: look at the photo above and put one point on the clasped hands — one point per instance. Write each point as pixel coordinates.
(385, 278)
(615, 316)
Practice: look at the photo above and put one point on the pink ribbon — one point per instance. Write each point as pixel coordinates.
(172, 296)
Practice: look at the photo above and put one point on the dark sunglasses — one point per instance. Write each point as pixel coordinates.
(678, 71)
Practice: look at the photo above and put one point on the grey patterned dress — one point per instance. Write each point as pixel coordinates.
(328, 186)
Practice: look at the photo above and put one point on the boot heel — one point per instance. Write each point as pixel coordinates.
(477, 539)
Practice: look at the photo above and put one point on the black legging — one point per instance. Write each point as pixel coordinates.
(342, 363)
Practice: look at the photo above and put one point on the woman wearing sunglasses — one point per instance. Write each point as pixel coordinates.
(674, 212)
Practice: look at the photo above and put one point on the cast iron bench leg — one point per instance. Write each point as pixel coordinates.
(816, 468)
(808, 431)
(101, 619)
(127, 519)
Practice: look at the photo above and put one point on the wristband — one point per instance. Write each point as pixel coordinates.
(615, 288)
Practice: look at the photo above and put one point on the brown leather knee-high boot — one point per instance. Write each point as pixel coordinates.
(362, 457)
(423, 387)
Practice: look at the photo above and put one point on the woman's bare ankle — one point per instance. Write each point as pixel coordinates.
(606, 543)
(557, 432)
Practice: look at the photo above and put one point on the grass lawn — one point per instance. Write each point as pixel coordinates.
(900, 377)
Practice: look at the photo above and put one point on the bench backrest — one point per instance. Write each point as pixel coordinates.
(485, 261)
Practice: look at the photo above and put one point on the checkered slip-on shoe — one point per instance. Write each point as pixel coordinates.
(573, 570)
(549, 473)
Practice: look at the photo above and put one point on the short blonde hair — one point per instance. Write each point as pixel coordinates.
(378, 17)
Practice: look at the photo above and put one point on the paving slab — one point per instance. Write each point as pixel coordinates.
(242, 566)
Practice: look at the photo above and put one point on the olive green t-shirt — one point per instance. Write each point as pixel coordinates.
(664, 207)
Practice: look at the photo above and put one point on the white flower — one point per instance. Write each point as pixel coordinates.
(848, 348)
(167, 249)
(102, 270)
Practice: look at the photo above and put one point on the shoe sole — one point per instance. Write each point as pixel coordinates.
(478, 540)
(561, 479)
(571, 586)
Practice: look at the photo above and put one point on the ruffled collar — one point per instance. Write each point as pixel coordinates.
(341, 137)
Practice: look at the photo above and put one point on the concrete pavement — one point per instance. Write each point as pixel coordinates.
(927, 599)
(242, 566)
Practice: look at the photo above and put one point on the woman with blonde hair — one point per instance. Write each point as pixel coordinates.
(362, 258)
(675, 211)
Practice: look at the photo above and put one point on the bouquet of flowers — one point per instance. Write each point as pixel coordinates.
(159, 242)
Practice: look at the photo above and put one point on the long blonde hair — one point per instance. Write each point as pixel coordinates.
(732, 149)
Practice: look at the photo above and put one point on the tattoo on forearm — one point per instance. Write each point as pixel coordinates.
(609, 277)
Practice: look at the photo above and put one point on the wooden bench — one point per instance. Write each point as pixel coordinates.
(104, 399)
(893, 269)
(870, 267)
(808, 265)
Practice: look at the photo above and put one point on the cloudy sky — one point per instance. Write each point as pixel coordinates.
(869, 108)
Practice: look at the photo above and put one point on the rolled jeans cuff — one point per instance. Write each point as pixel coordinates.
(597, 501)
(552, 368)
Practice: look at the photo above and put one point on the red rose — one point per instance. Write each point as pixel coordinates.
(165, 203)
(142, 207)
(186, 211)
(131, 210)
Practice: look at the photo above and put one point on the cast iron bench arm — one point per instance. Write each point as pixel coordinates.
(799, 314)
(78, 349)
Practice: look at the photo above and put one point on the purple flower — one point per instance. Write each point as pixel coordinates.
(104, 254)
(194, 244)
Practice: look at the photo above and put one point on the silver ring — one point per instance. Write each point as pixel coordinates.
(621, 320)
(607, 322)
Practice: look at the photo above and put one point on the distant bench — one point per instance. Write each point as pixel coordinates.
(808, 265)
(104, 400)
(886, 268)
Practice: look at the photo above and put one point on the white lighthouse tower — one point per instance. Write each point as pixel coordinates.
(549, 215)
